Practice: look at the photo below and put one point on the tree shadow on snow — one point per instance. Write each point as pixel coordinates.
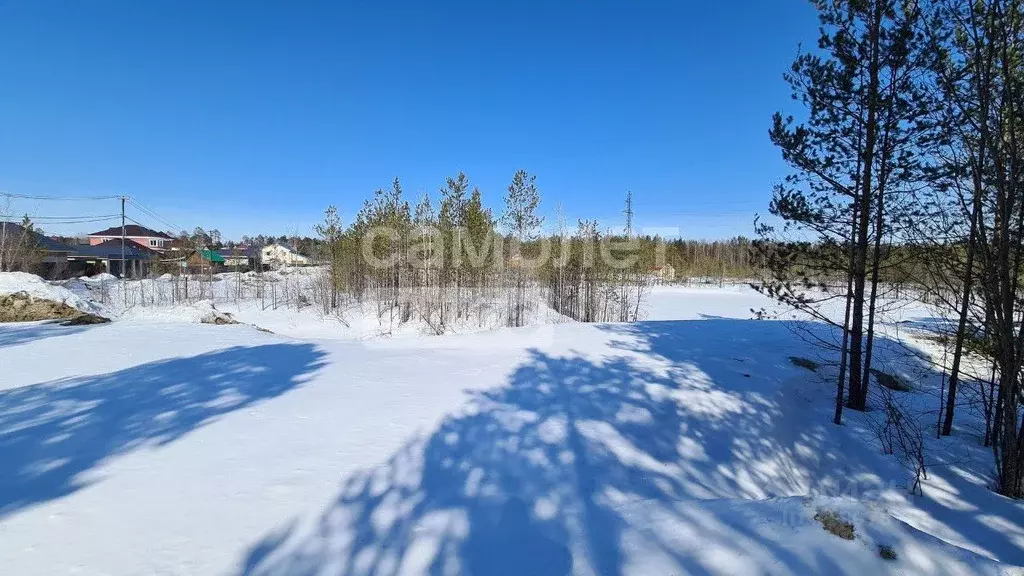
(848, 461)
(574, 463)
(12, 334)
(52, 434)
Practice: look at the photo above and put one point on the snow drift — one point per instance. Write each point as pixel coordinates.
(27, 297)
(691, 445)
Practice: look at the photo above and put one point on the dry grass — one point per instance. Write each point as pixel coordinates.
(832, 523)
(804, 363)
(86, 320)
(891, 381)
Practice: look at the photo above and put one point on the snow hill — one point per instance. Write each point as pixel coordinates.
(36, 287)
(686, 444)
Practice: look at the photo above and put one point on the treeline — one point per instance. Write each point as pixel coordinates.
(212, 239)
(908, 163)
(451, 260)
(19, 249)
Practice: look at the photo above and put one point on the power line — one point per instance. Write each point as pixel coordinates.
(91, 221)
(85, 219)
(133, 220)
(58, 220)
(90, 217)
(152, 214)
(69, 222)
(58, 198)
(704, 214)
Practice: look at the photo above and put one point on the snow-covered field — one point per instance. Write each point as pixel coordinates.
(685, 444)
(286, 302)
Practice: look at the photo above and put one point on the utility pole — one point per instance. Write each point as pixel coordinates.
(3, 232)
(122, 238)
(629, 215)
(3, 243)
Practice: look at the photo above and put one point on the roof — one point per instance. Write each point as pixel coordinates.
(237, 252)
(211, 256)
(281, 246)
(111, 250)
(288, 249)
(44, 242)
(132, 230)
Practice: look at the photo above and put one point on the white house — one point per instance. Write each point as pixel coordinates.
(275, 255)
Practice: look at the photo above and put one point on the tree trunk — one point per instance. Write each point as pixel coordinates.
(1010, 465)
(841, 381)
(876, 264)
(961, 327)
(858, 400)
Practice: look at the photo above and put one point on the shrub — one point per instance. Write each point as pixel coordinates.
(804, 363)
(835, 525)
(890, 381)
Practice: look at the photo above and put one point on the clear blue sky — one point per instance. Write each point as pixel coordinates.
(252, 116)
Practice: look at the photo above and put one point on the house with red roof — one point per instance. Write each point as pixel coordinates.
(145, 237)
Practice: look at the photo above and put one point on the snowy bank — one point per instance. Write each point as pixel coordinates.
(663, 447)
(36, 287)
(27, 297)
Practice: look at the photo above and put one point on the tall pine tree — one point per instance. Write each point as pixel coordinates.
(522, 222)
(852, 157)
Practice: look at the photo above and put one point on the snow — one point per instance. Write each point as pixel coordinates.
(13, 282)
(107, 277)
(687, 443)
(280, 308)
(693, 303)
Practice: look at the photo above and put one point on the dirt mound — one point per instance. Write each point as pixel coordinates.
(210, 314)
(23, 307)
(86, 320)
(218, 318)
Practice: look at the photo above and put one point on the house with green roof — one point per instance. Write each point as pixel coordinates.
(196, 261)
(211, 256)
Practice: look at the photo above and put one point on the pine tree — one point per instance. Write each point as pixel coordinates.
(450, 218)
(330, 233)
(965, 41)
(978, 44)
(523, 224)
(425, 228)
(424, 213)
(478, 226)
(521, 202)
(856, 152)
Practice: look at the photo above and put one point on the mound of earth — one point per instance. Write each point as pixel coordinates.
(209, 314)
(23, 307)
(86, 319)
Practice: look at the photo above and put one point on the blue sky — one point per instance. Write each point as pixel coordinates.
(252, 116)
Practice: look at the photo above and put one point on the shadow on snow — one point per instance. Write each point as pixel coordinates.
(12, 334)
(52, 433)
(547, 474)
